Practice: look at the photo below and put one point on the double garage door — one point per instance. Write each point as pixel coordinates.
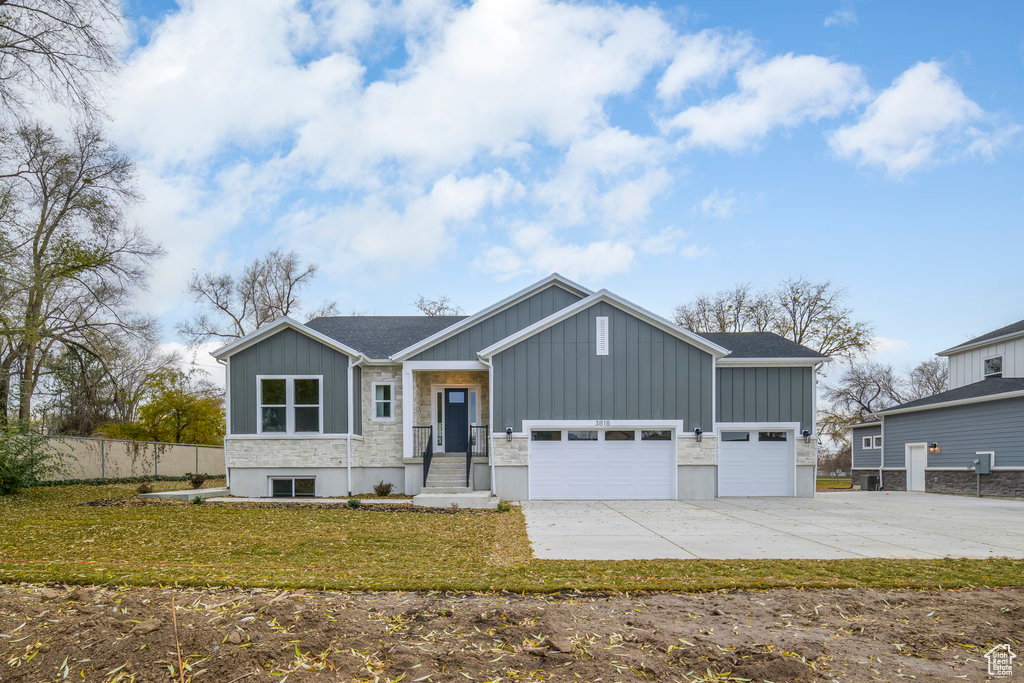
(602, 464)
(638, 464)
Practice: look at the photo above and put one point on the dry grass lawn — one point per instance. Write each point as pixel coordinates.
(61, 534)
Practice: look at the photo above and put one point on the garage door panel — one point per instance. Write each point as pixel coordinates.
(602, 470)
(756, 468)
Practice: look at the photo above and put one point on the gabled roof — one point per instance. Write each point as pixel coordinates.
(379, 336)
(763, 346)
(1002, 334)
(273, 328)
(989, 389)
(869, 423)
(455, 328)
(604, 296)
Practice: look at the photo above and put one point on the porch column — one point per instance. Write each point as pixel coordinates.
(408, 396)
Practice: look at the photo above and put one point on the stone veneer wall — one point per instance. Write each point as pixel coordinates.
(689, 452)
(894, 480)
(381, 445)
(515, 452)
(287, 452)
(860, 477)
(1008, 484)
(424, 380)
(806, 451)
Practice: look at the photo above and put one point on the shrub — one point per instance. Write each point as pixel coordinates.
(353, 503)
(383, 488)
(25, 459)
(196, 480)
(145, 487)
(198, 500)
(454, 506)
(504, 506)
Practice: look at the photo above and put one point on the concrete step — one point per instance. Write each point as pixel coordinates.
(188, 494)
(446, 489)
(464, 499)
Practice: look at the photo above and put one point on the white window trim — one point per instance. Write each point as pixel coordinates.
(292, 478)
(374, 401)
(866, 443)
(1002, 365)
(876, 442)
(602, 334)
(289, 397)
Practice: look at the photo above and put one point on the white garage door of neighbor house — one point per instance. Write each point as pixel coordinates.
(755, 463)
(602, 464)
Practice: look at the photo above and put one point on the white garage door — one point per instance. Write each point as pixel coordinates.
(752, 463)
(606, 464)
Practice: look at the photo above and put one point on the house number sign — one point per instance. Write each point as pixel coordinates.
(602, 423)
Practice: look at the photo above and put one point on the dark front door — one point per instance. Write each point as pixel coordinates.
(456, 420)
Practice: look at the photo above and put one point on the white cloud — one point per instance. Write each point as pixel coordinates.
(197, 358)
(718, 204)
(923, 115)
(782, 92)
(884, 345)
(664, 242)
(694, 252)
(842, 17)
(703, 57)
(536, 249)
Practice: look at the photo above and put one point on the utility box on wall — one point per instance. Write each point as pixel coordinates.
(983, 463)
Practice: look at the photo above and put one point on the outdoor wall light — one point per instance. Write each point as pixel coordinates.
(697, 432)
(508, 433)
(807, 435)
(933, 447)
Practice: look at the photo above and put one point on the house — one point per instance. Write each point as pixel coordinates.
(936, 443)
(555, 392)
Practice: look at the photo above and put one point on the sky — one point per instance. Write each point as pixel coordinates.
(658, 150)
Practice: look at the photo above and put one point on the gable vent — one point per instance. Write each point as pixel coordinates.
(602, 335)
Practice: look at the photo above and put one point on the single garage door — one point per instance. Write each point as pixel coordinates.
(602, 464)
(753, 463)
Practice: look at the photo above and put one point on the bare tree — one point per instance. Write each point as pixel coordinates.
(59, 47)
(75, 265)
(267, 289)
(441, 305)
(929, 378)
(809, 313)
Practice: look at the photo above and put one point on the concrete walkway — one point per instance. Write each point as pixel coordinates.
(830, 526)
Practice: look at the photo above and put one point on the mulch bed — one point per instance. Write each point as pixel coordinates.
(367, 507)
(231, 635)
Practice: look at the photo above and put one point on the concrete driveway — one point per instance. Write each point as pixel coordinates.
(830, 526)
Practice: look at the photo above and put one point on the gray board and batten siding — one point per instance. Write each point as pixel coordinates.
(466, 344)
(865, 458)
(556, 374)
(289, 353)
(766, 395)
(960, 431)
(357, 400)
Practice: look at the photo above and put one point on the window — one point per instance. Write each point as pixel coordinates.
(656, 435)
(619, 435)
(771, 436)
(582, 435)
(440, 417)
(877, 442)
(866, 443)
(735, 436)
(383, 400)
(994, 366)
(304, 487)
(289, 405)
(602, 335)
(546, 435)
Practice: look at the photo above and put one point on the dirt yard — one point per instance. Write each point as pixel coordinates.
(227, 636)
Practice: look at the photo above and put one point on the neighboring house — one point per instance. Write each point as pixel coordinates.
(932, 444)
(556, 392)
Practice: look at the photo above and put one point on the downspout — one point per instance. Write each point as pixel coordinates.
(881, 458)
(348, 440)
(227, 420)
(490, 418)
(814, 428)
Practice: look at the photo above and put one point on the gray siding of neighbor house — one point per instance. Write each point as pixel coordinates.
(865, 458)
(465, 344)
(289, 353)
(960, 431)
(557, 375)
(765, 395)
(357, 400)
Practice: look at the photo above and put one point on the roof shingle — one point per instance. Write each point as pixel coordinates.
(990, 386)
(379, 336)
(760, 345)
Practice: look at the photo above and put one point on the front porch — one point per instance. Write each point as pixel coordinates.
(447, 444)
